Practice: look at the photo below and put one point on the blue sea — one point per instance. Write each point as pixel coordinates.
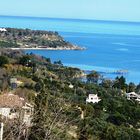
(111, 45)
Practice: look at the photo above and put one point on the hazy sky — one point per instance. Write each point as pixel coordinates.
(126, 10)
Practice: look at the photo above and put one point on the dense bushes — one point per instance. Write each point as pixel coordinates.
(3, 60)
(6, 44)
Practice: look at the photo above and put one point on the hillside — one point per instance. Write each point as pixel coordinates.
(58, 96)
(37, 39)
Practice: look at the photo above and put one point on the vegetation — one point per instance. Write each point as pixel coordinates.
(58, 107)
(3, 61)
(26, 38)
(6, 44)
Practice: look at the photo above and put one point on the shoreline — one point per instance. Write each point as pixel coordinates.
(55, 49)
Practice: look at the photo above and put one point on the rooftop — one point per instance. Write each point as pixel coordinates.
(3, 30)
(11, 101)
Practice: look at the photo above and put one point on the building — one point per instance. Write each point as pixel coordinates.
(93, 98)
(12, 107)
(133, 96)
(3, 30)
(15, 83)
(71, 86)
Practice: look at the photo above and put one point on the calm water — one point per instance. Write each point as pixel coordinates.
(110, 45)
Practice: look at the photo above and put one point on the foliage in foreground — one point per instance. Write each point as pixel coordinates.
(58, 108)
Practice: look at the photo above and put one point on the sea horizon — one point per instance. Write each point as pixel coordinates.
(112, 45)
(70, 70)
(73, 19)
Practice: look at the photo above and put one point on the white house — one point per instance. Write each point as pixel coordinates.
(133, 96)
(71, 86)
(93, 98)
(12, 106)
(3, 30)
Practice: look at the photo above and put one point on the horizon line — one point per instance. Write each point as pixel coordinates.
(76, 19)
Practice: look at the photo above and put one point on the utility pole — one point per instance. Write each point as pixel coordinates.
(1, 130)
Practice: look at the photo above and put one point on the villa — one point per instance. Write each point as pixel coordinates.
(93, 98)
(12, 107)
(133, 96)
(3, 30)
(71, 86)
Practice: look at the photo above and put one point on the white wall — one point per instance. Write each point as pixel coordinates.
(5, 111)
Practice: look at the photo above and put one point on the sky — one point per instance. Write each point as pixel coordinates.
(120, 10)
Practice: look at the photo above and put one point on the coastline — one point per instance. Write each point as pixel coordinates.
(45, 40)
(55, 49)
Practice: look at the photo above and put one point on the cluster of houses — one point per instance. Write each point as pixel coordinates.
(93, 98)
(12, 106)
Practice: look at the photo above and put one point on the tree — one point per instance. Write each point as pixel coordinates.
(120, 83)
(49, 120)
(138, 88)
(25, 60)
(117, 119)
(131, 87)
(93, 77)
(39, 119)
(107, 83)
(110, 132)
(38, 86)
(3, 60)
(59, 63)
